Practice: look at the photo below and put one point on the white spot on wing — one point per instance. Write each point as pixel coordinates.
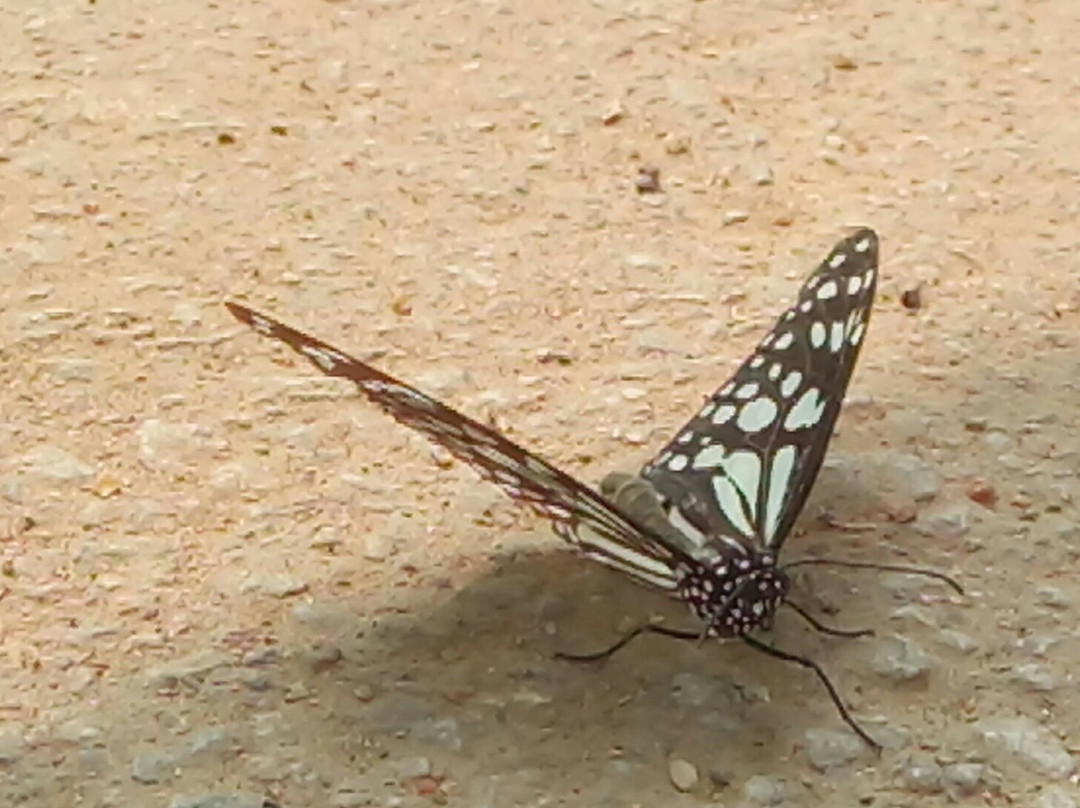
(863, 245)
(837, 260)
(836, 337)
(678, 462)
(857, 334)
(774, 371)
(682, 524)
(723, 414)
(828, 291)
(783, 462)
(324, 359)
(784, 341)
(743, 469)
(806, 412)
(854, 284)
(817, 334)
(710, 457)
(791, 383)
(261, 324)
(616, 555)
(758, 414)
(747, 391)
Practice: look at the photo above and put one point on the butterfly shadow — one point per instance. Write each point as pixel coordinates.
(469, 678)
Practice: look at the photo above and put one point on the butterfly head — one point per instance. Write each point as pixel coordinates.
(734, 594)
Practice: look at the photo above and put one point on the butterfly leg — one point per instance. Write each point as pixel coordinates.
(818, 626)
(648, 628)
(809, 663)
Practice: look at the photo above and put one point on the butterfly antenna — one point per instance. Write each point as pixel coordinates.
(869, 565)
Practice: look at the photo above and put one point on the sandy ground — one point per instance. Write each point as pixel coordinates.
(226, 580)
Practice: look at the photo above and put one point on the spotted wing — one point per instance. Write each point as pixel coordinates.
(742, 468)
(580, 515)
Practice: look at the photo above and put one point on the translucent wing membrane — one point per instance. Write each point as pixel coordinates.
(742, 467)
(581, 516)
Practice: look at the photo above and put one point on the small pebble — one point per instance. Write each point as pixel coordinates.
(1053, 597)
(1034, 677)
(763, 790)
(830, 749)
(683, 774)
(963, 778)
(647, 180)
(923, 774)
(901, 659)
(1055, 796)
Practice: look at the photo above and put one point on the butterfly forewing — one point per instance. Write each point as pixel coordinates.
(580, 515)
(744, 465)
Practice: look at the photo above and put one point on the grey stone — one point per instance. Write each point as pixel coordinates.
(95, 762)
(322, 656)
(12, 746)
(1023, 741)
(905, 587)
(1053, 597)
(831, 749)
(378, 545)
(411, 767)
(164, 444)
(274, 727)
(1056, 797)
(278, 586)
(901, 659)
(957, 640)
(1039, 644)
(54, 463)
(209, 740)
(764, 790)
(899, 473)
(443, 731)
(712, 702)
(963, 778)
(946, 522)
(188, 668)
(151, 765)
(923, 774)
(347, 799)
(914, 613)
(683, 774)
(237, 800)
(1034, 677)
(643, 261)
(78, 731)
(70, 369)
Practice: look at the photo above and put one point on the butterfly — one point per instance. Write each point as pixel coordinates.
(706, 518)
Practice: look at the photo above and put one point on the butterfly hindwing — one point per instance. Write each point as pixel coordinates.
(581, 516)
(743, 466)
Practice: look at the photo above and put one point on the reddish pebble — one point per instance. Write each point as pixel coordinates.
(982, 492)
(427, 785)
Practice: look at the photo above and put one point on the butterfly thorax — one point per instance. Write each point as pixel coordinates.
(733, 593)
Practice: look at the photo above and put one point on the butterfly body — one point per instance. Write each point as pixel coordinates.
(731, 588)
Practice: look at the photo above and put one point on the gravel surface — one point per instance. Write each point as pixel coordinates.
(228, 583)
